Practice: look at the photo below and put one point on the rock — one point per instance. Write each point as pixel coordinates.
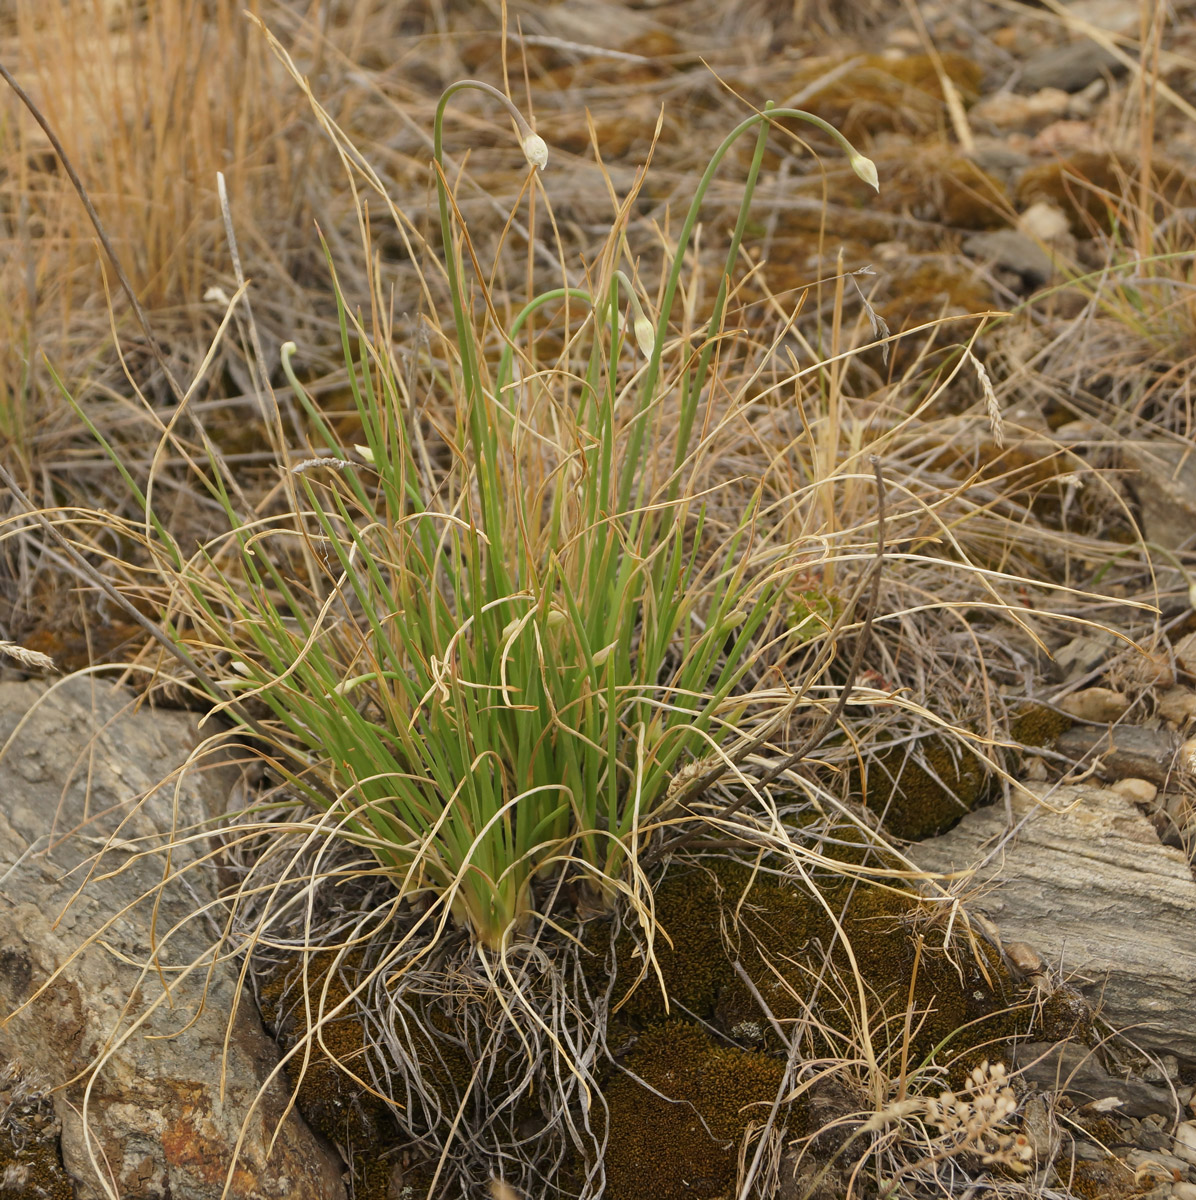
(1183, 1190)
(1069, 68)
(82, 767)
(1011, 251)
(1083, 654)
(1008, 110)
(1136, 791)
(1099, 704)
(1163, 477)
(1088, 884)
(1145, 1159)
(1070, 136)
(1124, 751)
(1185, 653)
(1185, 1141)
(1045, 222)
(1076, 1069)
(1177, 705)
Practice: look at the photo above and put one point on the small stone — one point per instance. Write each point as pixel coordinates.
(1183, 1190)
(1185, 1141)
(1082, 654)
(1164, 1070)
(1024, 958)
(1035, 769)
(1044, 221)
(1177, 705)
(1185, 653)
(1071, 68)
(1014, 252)
(1100, 704)
(1187, 756)
(1140, 791)
(1008, 110)
(1158, 1161)
(1067, 137)
(1084, 102)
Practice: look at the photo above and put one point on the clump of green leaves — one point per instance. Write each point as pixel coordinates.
(491, 669)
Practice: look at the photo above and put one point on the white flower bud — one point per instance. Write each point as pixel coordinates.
(865, 168)
(645, 335)
(535, 150)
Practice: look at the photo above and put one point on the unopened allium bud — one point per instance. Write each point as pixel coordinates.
(865, 168)
(645, 335)
(535, 150)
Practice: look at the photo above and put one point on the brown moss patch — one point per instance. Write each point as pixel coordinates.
(882, 94)
(1036, 725)
(782, 936)
(946, 188)
(686, 1145)
(327, 1095)
(30, 1159)
(1111, 1179)
(1100, 191)
(922, 791)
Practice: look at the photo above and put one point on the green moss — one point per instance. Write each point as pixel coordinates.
(687, 1145)
(923, 794)
(960, 1002)
(780, 934)
(813, 612)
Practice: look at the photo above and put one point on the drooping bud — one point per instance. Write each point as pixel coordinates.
(645, 335)
(865, 168)
(535, 150)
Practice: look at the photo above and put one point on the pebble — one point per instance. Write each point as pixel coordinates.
(1008, 110)
(1044, 221)
(1099, 704)
(1014, 252)
(1158, 1159)
(1185, 1141)
(1140, 791)
(1067, 137)
(1183, 1190)
(1177, 705)
(1185, 653)
(1187, 756)
(1070, 68)
(1024, 959)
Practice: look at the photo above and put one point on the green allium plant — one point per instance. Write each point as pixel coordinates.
(489, 672)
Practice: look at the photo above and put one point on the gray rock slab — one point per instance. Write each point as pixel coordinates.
(1069, 68)
(81, 768)
(1088, 884)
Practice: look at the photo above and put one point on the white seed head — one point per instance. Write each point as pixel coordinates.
(32, 660)
(535, 150)
(865, 168)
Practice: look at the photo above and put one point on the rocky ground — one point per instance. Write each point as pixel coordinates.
(1012, 144)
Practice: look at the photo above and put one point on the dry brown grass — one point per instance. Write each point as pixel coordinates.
(994, 540)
